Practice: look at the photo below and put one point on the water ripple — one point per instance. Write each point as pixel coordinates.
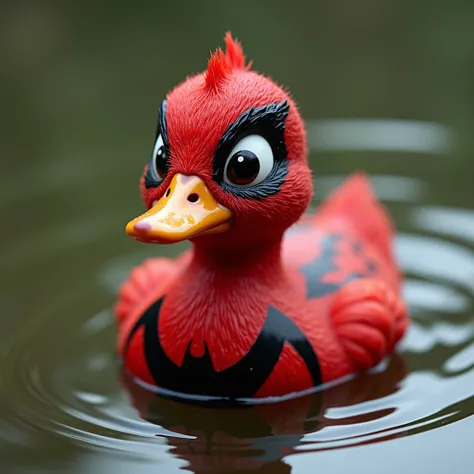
(67, 381)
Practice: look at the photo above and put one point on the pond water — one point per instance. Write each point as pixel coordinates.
(82, 86)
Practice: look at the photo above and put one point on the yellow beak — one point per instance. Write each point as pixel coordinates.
(187, 210)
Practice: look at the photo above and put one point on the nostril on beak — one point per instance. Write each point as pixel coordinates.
(142, 226)
(193, 197)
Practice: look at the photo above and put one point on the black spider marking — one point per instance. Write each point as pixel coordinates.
(152, 181)
(269, 122)
(371, 267)
(242, 380)
(325, 263)
(357, 248)
(197, 375)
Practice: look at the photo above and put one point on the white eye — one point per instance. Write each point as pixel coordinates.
(249, 162)
(159, 160)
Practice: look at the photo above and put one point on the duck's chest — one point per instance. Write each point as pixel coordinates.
(226, 335)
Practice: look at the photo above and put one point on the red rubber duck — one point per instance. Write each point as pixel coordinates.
(267, 303)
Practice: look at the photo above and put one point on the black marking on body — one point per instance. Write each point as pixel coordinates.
(242, 380)
(325, 263)
(197, 375)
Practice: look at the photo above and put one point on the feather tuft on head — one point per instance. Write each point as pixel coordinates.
(234, 52)
(220, 65)
(218, 70)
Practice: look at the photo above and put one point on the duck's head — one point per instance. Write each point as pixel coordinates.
(229, 165)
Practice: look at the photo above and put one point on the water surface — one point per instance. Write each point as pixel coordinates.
(83, 88)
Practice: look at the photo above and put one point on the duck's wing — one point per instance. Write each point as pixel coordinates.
(354, 206)
(148, 279)
(369, 319)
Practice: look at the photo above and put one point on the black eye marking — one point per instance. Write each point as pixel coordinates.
(269, 122)
(151, 180)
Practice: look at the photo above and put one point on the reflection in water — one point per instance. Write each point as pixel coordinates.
(435, 259)
(379, 135)
(462, 361)
(446, 221)
(251, 437)
(80, 396)
(388, 188)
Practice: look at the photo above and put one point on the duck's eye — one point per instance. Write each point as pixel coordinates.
(159, 161)
(249, 162)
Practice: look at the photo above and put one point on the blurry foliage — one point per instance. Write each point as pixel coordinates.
(81, 81)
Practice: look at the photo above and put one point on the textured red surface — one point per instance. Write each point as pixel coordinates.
(196, 119)
(219, 293)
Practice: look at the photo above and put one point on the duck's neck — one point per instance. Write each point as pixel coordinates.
(262, 259)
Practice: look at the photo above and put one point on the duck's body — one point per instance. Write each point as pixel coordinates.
(321, 304)
(252, 310)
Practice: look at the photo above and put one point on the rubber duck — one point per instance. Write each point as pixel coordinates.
(270, 301)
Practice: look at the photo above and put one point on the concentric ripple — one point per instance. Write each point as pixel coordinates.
(59, 374)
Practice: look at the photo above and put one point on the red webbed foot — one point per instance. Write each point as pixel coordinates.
(369, 319)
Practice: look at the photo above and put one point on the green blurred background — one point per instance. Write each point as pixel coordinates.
(82, 81)
(80, 87)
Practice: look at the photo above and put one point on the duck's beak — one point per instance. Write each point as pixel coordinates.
(187, 209)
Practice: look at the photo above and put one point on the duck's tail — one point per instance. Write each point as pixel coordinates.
(355, 204)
